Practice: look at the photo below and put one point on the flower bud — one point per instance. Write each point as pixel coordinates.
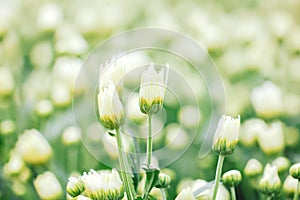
(270, 182)
(110, 107)
(164, 180)
(226, 135)
(250, 130)
(290, 186)
(44, 108)
(253, 168)
(7, 82)
(295, 171)
(272, 140)
(103, 185)
(14, 165)
(75, 186)
(71, 136)
(47, 186)
(7, 127)
(152, 89)
(33, 147)
(267, 100)
(232, 178)
(185, 194)
(282, 164)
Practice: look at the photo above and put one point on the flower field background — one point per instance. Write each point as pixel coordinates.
(255, 46)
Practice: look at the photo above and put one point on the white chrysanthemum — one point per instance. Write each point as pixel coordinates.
(253, 168)
(75, 186)
(47, 186)
(44, 108)
(226, 135)
(267, 99)
(71, 135)
(272, 140)
(282, 164)
(250, 130)
(110, 107)
(7, 82)
(290, 186)
(103, 185)
(49, 16)
(33, 147)
(185, 194)
(114, 71)
(152, 89)
(270, 182)
(14, 165)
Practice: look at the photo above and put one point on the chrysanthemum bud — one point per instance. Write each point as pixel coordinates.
(267, 100)
(185, 194)
(71, 135)
(75, 186)
(7, 82)
(103, 185)
(110, 107)
(290, 186)
(164, 180)
(47, 186)
(272, 140)
(270, 182)
(253, 168)
(14, 165)
(232, 178)
(7, 127)
(282, 164)
(295, 171)
(152, 89)
(226, 136)
(44, 108)
(33, 147)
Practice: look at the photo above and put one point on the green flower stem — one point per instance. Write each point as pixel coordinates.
(149, 140)
(296, 195)
(163, 194)
(218, 176)
(125, 176)
(232, 191)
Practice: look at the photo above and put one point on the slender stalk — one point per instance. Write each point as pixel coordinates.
(149, 140)
(125, 177)
(163, 194)
(232, 191)
(218, 176)
(296, 195)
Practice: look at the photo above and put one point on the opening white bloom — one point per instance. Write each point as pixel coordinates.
(103, 185)
(267, 99)
(152, 89)
(270, 182)
(226, 135)
(290, 186)
(111, 110)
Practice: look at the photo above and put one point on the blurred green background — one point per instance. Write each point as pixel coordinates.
(44, 43)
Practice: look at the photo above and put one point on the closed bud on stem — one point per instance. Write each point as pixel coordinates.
(75, 186)
(226, 136)
(253, 168)
(290, 186)
(270, 182)
(232, 178)
(295, 171)
(152, 89)
(111, 110)
(282, 164)
(164, 180)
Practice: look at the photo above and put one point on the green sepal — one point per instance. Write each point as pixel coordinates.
(151, 180)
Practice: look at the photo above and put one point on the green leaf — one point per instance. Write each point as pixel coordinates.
(151, 181)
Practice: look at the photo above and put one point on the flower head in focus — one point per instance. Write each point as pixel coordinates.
(111, 110)
(226, 136)
(152, 89)
(103, 185)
